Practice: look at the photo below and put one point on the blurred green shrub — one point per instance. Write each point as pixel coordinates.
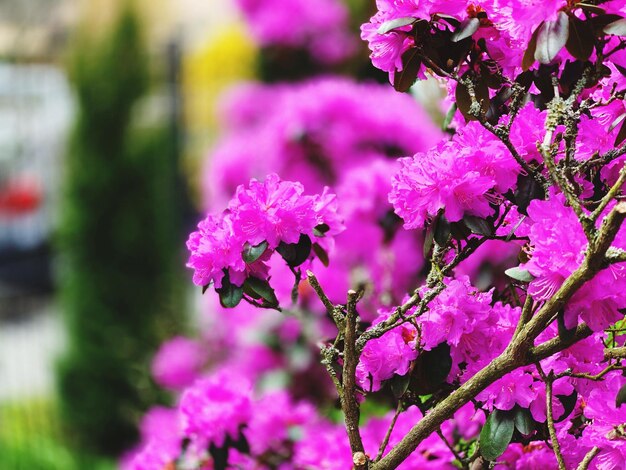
(118, 244)
(31, 439)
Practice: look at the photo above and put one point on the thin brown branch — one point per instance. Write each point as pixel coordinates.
(584, 465)
(615, 353)
(383, 445)
(350, 361)
(599, 376)
(610, 195)
(517, 354)
(548, 380)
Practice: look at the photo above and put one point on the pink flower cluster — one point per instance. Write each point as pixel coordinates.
(311, 132)
(389, 355)
(270, 212)
(463, 176)
(178, 362)
(248, 395)
(320, 27)
(507, 27)
(554, 257)
(220, 411)
(323, 132)
(215, 408)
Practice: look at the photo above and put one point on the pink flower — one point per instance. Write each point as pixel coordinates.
(160, 441)
(216, 407)
(275, 415)
(514, 388)
(387, 49)
(178, 362)
(271, 212)
(322, 28)
(432, 181)
(389, 355)
(606, 429)
(554, 257)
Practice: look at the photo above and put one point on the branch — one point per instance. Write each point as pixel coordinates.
(383, 445)
(350, 360)
(517, 354)
(615, 353)
(602, 159)
(596, 377)
(610, 195)
(548, 380)
(584, 465)
(334, 311)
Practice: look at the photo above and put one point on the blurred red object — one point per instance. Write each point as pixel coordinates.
(20, 195)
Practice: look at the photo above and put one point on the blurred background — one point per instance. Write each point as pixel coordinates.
(107, 110)
(105, 105)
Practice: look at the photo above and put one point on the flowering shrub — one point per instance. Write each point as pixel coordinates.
(271, 25)
(434, 363)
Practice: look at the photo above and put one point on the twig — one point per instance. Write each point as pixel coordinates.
(595, 377)
(315, 284)
(615, 353)
(584, 465)
(518, 352)
(457, 456)
(610, 195)
(350, 361)
(335, 311)
(548, 380)
(383, 445)
(527, 312)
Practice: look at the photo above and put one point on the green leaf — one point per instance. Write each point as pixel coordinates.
(320, 230)
(428, 240)
(621, 135)
(523, 420)
(620, 399)
(464, 100)
(591, 8)
(449, 117)
(252, 253)
(230, 294)
(295, 253)
(467, 27)
(601, 21)
(519, 274)
(478, 225)
(551, 37)
(529, 54)
(321, 254)
(441, 230)
(566, 334)
(617, 28)
(447, 18)
(431, 369)
(411, 64)
(581, 39)
(396, 23)
(527, 189)
(260, 289)
(617, 121)
(399, 385)
(569, 403)
(496, 434)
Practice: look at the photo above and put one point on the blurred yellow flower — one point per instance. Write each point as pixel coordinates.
(207, 71)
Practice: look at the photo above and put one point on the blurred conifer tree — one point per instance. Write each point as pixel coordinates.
(118, 243)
